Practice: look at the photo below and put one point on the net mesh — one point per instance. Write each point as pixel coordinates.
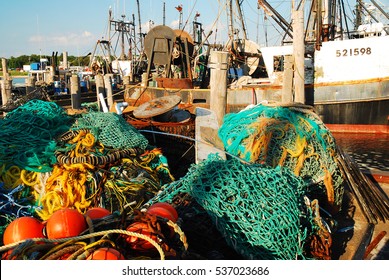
(292, 137)
(111, 130)
(258, 209)
(27, 135)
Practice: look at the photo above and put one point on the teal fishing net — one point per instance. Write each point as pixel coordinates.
(27, 135)
(259, 210)
(292, 137)
(111, 130)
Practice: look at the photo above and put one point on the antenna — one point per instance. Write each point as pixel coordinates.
(179, 9)
(164, 16)
(140, 26)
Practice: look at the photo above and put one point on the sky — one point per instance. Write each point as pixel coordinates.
(74, 26)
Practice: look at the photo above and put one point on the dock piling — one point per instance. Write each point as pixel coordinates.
(75, 92)
(218, 63)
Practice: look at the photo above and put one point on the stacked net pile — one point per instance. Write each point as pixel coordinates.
(27, 135)
(50, 160)
(259, 210)
(292, 137)
(111, 130)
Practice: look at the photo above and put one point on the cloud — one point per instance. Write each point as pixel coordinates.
(64, 41)
(147, 26)
(174, 24)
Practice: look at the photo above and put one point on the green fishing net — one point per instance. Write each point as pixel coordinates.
(111, 130)
(258, 209)
(27, 135)
(292, 137)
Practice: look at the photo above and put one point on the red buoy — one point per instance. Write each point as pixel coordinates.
(23, 228)
(65, 223)
(106, 254)
(97, 213)
(165, 210)
(137, 243)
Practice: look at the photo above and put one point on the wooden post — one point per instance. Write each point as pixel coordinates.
(298, 54)
(99, 89)
(218, 83)
(65, 60)
(5, 68)
(6, 85)
(145, 80)
(287, 87)
(30, 84)
(75, 92)
(108, 89)
(126, 84)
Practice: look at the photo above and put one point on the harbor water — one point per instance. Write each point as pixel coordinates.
(369, 151)
(19, 81)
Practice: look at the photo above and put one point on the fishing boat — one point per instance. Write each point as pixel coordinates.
(346, 74)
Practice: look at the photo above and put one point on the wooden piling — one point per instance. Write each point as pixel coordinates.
(108, 89)
(218, 83)
(75, 92)
(30, 84)
(6, 83)
(126, 84)
(99, 89)
(287, 86)
(298, 54)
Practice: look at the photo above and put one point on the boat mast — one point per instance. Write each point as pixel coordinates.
(140, 27)
(270, 11)
(380, 8)
(230, 20)
(179, 9)
(238, 4)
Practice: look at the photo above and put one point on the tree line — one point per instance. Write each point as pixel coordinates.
(18, 62)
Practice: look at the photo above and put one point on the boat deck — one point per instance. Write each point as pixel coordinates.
(363, 240)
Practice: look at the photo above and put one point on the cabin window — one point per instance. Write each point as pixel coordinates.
(278, 62)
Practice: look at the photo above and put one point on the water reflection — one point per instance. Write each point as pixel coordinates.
(370, 151)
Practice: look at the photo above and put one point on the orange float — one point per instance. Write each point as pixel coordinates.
(7, 255)
(23, 228)
(97, 213)
(137, 243)
(165, 210)
(106, 254)
(65, 223)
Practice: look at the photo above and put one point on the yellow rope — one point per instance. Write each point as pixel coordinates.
(29, 178)
(66, 187)
(11, 177)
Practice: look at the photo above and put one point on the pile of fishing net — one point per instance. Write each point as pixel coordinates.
(27, 135)
(292, 137)
(264, 199)
(260, 211)
(50, 160)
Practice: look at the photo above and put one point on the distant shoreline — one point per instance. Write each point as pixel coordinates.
(18, 77)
